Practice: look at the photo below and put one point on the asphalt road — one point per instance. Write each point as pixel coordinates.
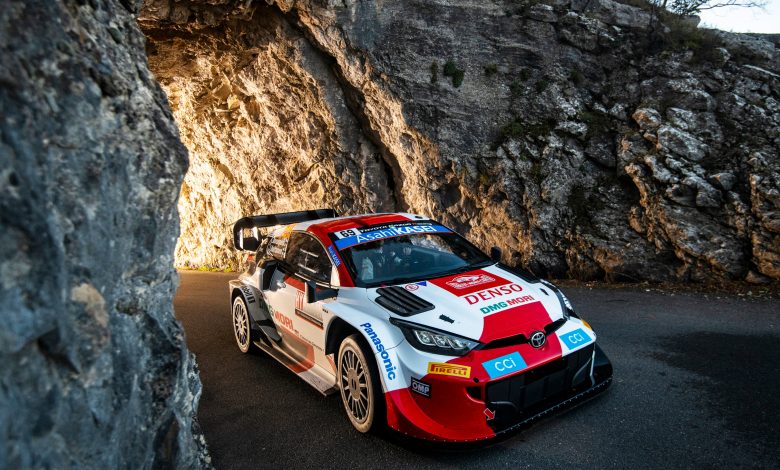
(696, 385)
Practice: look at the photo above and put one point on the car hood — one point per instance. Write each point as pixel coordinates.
(484, 304)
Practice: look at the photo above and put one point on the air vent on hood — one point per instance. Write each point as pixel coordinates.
(401, 301)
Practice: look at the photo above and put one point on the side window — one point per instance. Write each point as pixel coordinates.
(277, 247)
(294, 257)
(307, 257)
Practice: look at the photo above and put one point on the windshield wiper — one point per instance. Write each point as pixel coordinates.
(468, 267)
(462, 269)
(482, 264)
(397, 280)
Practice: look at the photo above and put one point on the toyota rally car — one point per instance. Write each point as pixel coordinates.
(413, 325)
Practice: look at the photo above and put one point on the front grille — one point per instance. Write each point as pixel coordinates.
(514, 396)
(504, 342)
(549, 329)
(553, 327)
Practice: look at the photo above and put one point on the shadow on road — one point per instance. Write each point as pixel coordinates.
(740, 377)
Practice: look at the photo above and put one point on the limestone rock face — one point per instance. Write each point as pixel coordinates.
(268, 126)
(584, 138)
(94, 372)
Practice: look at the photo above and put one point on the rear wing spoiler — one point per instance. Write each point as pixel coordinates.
(269, 220)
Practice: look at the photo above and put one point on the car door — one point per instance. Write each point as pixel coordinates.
(300, 323)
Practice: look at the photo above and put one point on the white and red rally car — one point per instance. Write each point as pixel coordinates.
(411, 323)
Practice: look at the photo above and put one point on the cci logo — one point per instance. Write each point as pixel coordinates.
(575, 339)
(504, 365)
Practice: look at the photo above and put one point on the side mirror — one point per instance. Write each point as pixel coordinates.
(495, 254)
(249, 244)
(312, 295)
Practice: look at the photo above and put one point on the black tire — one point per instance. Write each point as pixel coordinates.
(241, 329)
(359, 382)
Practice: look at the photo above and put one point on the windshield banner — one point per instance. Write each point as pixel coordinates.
(352, 237)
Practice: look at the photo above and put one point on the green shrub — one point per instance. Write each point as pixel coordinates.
(434, 72)
(457, 78)
(491, 69)
(518, 128)
(578, 204)
(512, 130)
(576, 77)
(516, 89)
(598, 123)
(541, 85)
(524, 74)
(708, 48)
(451, 70)
(525, 6)
(684, 35)
(536, 173)
(542, 128)
(582, 204)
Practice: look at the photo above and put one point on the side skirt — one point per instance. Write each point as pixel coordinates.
(312, 374)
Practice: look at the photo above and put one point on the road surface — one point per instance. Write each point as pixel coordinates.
(696, 384)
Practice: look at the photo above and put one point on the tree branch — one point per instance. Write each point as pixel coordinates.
(734, 3)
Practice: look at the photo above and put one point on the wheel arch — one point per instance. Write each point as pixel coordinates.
(378, 335)
(251, 298)
(338, 330)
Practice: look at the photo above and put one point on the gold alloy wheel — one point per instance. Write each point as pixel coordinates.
(357, 381)
(354, 386)
(241, 324)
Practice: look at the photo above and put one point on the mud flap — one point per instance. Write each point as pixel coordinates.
(265, 325)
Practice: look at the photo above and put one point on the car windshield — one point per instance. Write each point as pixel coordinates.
(411, 258)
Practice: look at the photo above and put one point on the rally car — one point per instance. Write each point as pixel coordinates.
(415, 327)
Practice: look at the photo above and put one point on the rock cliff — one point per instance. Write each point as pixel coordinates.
(587, 138)
(93, 368)
(590, 139)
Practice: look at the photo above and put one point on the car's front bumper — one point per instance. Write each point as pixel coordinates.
(477, 408)
(597, 382)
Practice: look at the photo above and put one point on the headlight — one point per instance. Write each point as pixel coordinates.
(566, 307)
(433, 341)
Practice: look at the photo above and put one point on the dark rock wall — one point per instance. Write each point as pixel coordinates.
(539, 147)
(94, 372)
(586, 138)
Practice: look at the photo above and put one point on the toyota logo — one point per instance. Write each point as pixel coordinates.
(538, 339)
